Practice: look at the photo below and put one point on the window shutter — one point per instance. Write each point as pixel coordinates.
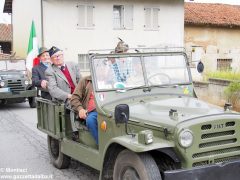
(148, 23)
(155, 18)
(128, 17)
(90, 10)
(87, 63)
(122, 17)
(81, 18)
(81, 60)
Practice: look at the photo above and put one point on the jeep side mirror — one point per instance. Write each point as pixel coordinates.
(200, 67)
(121, 113)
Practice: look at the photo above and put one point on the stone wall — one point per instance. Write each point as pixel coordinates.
(213, 91)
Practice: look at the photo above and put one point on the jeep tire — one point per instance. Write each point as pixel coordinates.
(58, 159)
(130, 165)
(32, 102)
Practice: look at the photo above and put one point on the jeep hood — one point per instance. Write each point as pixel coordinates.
(157, 112)
(11, 74)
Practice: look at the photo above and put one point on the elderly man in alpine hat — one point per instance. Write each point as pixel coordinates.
(38, 73)
(63, 77)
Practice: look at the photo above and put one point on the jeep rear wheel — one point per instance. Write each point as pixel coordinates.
(133, 166)
(58, 159)
(32, 102)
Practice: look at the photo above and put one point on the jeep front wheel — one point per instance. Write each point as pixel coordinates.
(58, 159)
(130, 165)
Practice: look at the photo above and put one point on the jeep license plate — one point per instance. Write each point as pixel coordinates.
(4, 90)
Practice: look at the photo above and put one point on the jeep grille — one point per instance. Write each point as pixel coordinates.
(219, 146)
(15, 86)
(215, 142)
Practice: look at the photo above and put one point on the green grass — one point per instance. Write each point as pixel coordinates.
(232, 92)
(228, 75)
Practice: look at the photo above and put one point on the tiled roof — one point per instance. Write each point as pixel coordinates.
(223, 15)
(6, 32)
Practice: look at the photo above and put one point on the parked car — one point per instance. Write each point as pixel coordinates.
(15, 85)
(151, 124)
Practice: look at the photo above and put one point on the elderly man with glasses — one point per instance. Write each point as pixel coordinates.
(63, 77)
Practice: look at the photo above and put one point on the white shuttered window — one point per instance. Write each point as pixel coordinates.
(118, 17)
(83, 62)
(151, 18)
(85, 16)
(122, 16)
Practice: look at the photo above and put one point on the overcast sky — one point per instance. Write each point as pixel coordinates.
(5, 18)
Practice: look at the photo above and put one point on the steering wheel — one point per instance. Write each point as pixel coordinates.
(166, 79)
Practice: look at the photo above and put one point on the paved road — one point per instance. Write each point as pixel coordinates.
(23, 149)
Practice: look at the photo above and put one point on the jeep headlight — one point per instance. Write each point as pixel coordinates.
(2, 83)
(145, 137)
(26, 82)
(185, 138)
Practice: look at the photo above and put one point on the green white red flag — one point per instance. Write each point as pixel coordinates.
(32, 47)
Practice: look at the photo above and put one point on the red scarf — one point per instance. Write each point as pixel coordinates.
(69, 79)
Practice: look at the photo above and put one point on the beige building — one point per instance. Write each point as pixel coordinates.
(212, 34)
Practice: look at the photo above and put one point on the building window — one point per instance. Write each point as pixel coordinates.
(151, 18)
(85, 16)
(83, 62)
(224, 64)
(122, 17)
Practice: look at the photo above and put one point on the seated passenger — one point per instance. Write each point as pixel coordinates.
(63, 78)
(120, 66)
(83, 102)
(38, 77)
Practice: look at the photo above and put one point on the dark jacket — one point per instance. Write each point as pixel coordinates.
(38, 74)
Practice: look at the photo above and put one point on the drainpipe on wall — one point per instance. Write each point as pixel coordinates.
(12, 34)
(42, 34)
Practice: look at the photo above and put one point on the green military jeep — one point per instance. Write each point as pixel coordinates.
(151, 125)
(15, 85)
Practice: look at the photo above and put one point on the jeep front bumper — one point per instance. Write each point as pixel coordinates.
(19, 94)
(224, 171)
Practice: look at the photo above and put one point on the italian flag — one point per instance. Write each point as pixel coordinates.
(32, 48)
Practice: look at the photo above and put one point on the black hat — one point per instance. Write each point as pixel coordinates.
(42, 50)
(53, 50)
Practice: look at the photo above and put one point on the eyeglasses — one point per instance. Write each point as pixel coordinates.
(57, 56)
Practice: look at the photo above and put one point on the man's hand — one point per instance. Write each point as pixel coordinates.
(44, 84)
(69, 96)
(82, 114)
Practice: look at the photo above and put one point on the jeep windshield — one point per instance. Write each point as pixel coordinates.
(131, 71)
(12, 65)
